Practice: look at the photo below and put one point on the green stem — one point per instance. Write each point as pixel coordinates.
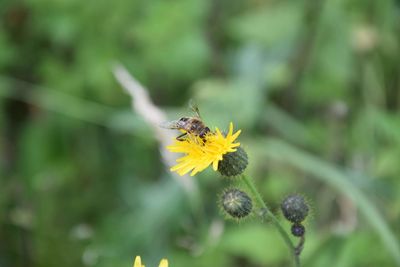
(267, 213)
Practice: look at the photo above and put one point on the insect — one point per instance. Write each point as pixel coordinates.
(192, 125)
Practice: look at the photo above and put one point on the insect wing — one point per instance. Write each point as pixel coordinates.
(170, 125)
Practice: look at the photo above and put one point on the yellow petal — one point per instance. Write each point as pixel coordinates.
(163, 263)
(233, 137)
(230, 128)
(215, 165)
(200, 167)
(218, 132)
(138, 262)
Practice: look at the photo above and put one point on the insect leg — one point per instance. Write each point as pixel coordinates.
(180, 137)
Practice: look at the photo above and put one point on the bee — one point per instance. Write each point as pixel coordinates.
(190, 125)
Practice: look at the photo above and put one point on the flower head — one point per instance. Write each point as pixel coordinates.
(138, 262)
(201, 152)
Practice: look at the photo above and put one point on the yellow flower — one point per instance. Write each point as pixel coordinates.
(201, 153)
(138, 262)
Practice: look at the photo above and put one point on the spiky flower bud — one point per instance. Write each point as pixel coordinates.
(233, 163)
(236, 203)
(295, 208)
(298, 229)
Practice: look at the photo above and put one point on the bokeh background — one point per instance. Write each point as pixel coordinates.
(313, 84)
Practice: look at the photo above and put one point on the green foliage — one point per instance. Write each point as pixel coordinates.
(256, 243)
(314, 86)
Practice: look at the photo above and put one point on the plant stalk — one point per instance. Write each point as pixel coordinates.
(267, 213)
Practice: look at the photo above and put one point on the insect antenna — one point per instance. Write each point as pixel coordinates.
(193, 106)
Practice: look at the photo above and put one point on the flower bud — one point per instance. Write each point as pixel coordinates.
(298, 230)
(295, 208)
(236, 203)
(234, 163)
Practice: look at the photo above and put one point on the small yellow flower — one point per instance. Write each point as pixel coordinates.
(138, 262)
(201, 153)
(163, 263)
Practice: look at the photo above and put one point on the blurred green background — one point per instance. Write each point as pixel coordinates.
(313, 84)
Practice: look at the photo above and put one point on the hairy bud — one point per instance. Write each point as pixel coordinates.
(298, 229)
(236, 203)
(295, 208)
(233, 163)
